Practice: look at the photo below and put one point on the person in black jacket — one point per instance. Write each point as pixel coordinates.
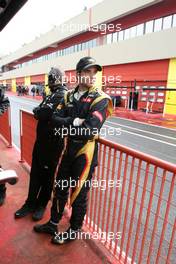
(86, 109)
(46, 152)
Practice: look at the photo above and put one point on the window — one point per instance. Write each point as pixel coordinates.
(127, 34)
(160, 100)
(152, 99)
(69, 50)
(153, 87)
(158, 25)
(75, 48)
(140, 30)
(86, 44)
(133, 32)
(72, 49)
(83, 45)
(65, 51)
(160, 94)
(149, 27)
(80, 47)
(114, 37)
(174, 21)
(121, 33)
(89, 44)
(109, 38)
(94, 43)
(167, 22)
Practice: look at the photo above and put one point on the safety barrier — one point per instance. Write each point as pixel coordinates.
(132, 202)
(5, 127)
(27, 135)
(134, 194)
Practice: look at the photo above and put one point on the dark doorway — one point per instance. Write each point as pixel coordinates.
(133, 104)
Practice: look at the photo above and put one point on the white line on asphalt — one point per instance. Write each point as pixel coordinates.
(150, 138)
(135, 121)
(149, 132)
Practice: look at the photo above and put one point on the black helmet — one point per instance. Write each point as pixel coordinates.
(55, 76)
(87, 62)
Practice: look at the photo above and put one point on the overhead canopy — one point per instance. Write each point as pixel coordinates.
(8, 8)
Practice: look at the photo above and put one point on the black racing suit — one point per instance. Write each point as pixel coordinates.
(80, 157)
(46, 152)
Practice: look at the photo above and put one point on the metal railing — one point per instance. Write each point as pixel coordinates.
(27, 135)
(5, 127)
(132, 201)
(140, 205)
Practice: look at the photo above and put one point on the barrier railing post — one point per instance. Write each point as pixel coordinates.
(21, 136)
(10, 130)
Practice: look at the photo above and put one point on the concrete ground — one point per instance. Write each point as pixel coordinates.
(19, 244)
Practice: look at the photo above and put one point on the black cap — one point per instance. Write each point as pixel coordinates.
(86, 63)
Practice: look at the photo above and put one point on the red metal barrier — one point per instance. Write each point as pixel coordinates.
(143, 209)
(5, 127)
(132, 202)
(27, 135)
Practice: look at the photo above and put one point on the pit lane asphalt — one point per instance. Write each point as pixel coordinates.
(153, 140)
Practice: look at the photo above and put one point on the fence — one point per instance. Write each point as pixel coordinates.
(137, 199)
(27, 135)
(5, 127)
(132, 202)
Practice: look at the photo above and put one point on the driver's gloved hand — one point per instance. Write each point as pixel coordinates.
(43, 113)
